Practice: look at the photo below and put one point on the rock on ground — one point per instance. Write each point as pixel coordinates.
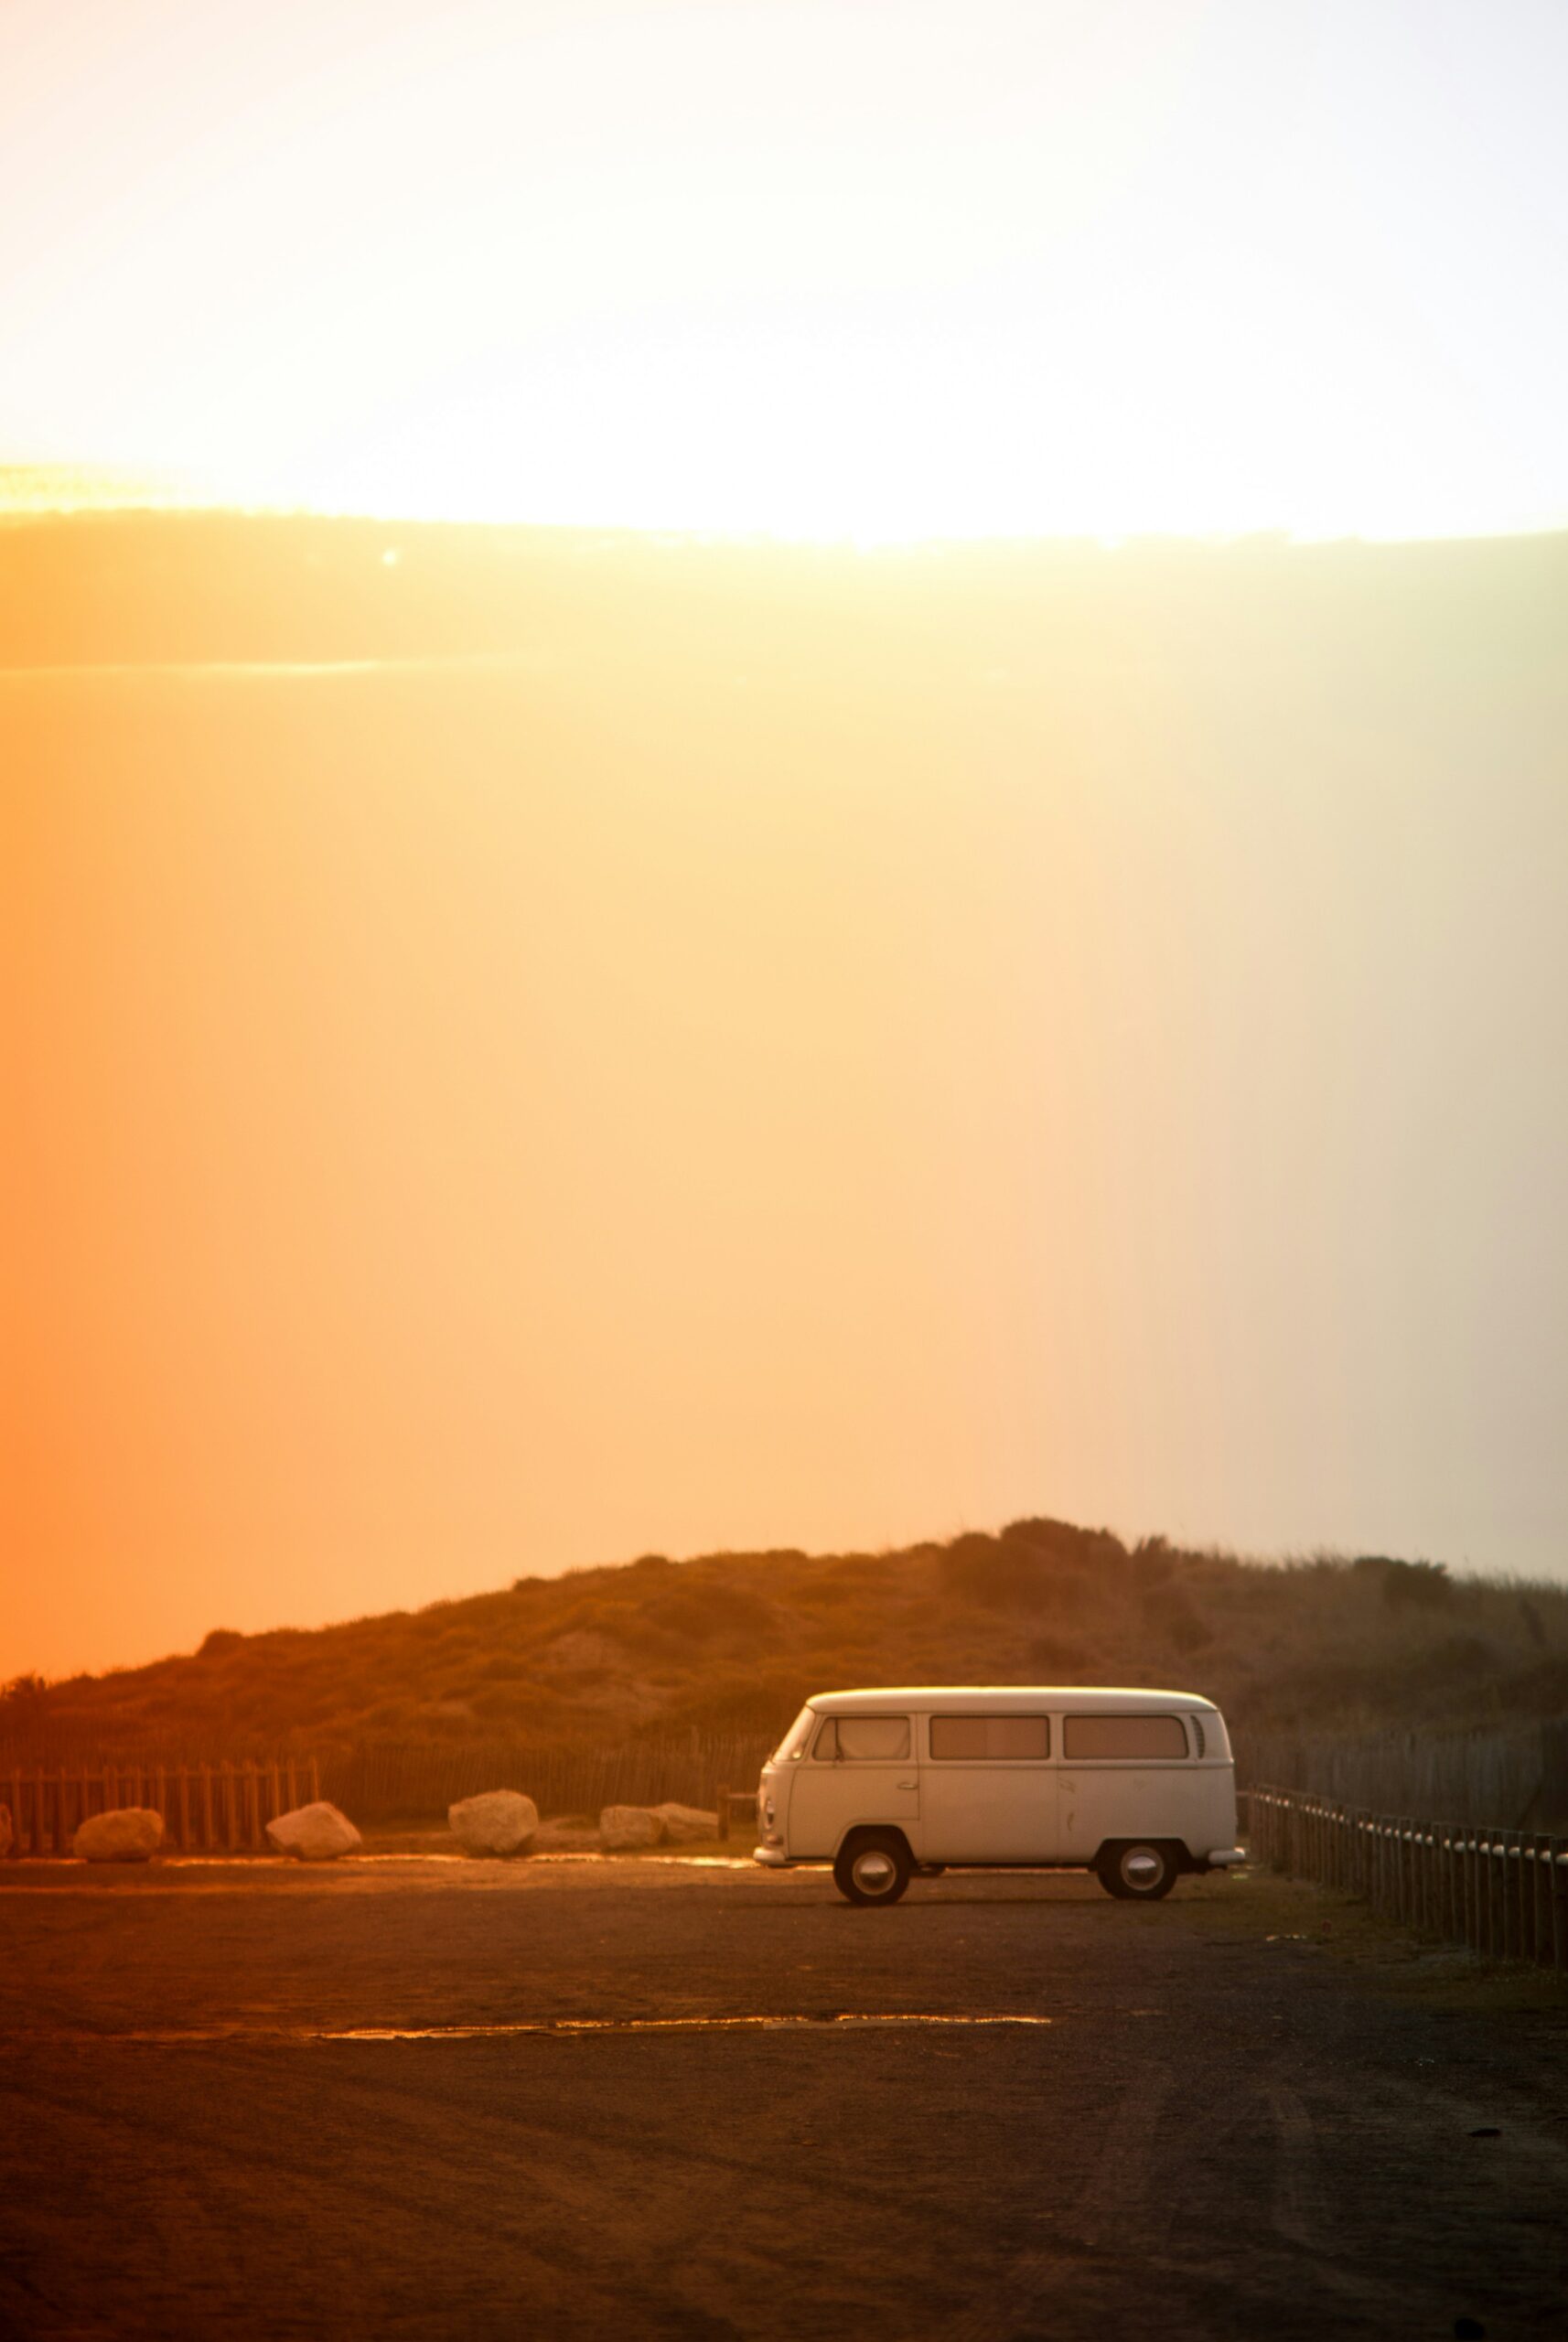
(626, 1829)
(130, 1833)
(497, 1821)
(684, 1825)
(314, 1833)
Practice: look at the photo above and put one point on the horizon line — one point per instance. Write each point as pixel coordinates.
(133, 493)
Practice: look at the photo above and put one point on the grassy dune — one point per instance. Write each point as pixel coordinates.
(731, 1642)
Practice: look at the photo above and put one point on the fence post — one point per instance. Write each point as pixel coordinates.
(1493, 1854)
(316, 1781)
(1511, 1894)
(724, 1813)
(1559, 1859)
(1432, 1875)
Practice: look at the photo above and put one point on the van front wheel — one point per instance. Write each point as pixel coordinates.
(873, 1867)
(1138, 1871)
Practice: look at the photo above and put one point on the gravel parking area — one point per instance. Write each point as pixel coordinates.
(420, 2097)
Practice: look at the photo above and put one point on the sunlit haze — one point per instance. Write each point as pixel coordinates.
(533, 1044)
(797, 265)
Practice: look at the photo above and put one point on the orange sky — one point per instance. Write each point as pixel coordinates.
(791, 1079)
(773, 1062)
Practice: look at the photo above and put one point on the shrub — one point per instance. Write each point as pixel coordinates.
(1171, 1612)
(1056, 1658)
(1062, 1538)
(1422, 1582)
(1003, 1575)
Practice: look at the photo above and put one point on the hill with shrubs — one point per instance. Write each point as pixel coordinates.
(731, 1643)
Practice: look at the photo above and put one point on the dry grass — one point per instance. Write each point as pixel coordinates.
(1299, 1917)
(730, 1643)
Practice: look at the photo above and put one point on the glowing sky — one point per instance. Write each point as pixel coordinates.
(809, 1047)
(1082, 265)
(787, 1062)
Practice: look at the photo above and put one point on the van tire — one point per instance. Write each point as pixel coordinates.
(1137, 1870)
(873, 1866)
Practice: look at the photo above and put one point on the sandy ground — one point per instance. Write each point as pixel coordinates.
(419, 2098)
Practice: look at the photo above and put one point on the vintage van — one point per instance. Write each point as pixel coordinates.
(891, 1785)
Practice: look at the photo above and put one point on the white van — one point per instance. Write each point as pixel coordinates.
(1134, 1785)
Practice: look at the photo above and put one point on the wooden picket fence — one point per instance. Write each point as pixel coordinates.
(1501, 1893)
(1515, 1772)
(206, 1808)
(389, 1781)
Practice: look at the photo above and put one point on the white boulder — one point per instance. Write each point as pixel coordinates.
(129, 1833)
(685, 1825)
(628, 1828)
(499, 1822)
(314, 1833)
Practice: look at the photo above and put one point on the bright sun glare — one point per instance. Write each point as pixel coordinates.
(813, 269)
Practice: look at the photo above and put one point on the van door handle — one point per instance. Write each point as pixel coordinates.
(908, 1785)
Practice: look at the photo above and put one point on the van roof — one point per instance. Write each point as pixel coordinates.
(1005, 1698)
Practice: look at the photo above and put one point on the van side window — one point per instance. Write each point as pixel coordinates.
(864, 1740)
(1087, 1737)
(990, 1736)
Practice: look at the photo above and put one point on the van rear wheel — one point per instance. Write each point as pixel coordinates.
(1137, 1871)
(873, 1867)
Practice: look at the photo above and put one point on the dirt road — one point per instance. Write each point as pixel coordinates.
(1216, 2130)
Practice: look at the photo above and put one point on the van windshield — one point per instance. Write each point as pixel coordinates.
(792, 1747)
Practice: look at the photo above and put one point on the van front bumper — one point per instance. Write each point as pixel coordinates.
(1224, 1857)
(771, 1857)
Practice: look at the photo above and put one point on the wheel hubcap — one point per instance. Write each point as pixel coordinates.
(1142, 1867)
(874, 1873)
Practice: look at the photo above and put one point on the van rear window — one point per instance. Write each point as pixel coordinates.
(863, 1739)
(991, 1737)
(1109, 1736)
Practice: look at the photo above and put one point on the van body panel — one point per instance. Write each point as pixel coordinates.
(853, 1779)
(826, 1801)
(989, 1813)
(1194, 1805)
